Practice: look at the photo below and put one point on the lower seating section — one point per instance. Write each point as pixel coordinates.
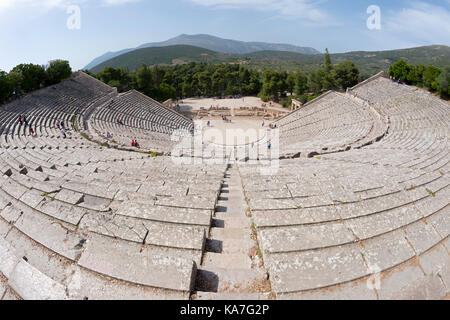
(108, 233)
(133, 116)
(326, 227)
(80, 221)
(369, 223)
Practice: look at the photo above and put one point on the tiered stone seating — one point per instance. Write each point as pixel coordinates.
(143, 119)
(332, 225)
(364, 215)
(79, 221)
(330, 123)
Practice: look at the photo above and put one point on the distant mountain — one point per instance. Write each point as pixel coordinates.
(171, 55)
(211, 43)
(368, 62)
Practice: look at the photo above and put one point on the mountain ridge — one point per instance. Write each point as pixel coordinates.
(369, 61)
(209, 42)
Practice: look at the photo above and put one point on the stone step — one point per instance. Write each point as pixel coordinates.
(56, 237)
(215, 279)
(224, 260)
(138, 264)
(231, 233)
(153, 233)
(25, 280)
(164, 214)
(230, 296)
(233, 221)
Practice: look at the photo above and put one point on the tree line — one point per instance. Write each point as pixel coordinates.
(209, 80)
(25, 78)
(429, 77)
(218, 80)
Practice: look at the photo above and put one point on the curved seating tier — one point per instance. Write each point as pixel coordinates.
(369, 223)
(365, 217)
(80, 221)
(142, 119)
(333, 122)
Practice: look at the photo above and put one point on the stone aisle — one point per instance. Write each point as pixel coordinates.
(232, 267)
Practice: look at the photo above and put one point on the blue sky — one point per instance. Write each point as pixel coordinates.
(35, 31)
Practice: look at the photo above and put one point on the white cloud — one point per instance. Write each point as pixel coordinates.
(422, 22)
(118, 2)
(50, 4)
(307, 10)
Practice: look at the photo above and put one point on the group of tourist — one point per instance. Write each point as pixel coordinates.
(224, 118)
(398, 81)
(62, 128)
(23, 120)
(134, 143)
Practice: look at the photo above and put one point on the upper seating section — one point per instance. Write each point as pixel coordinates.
(132, 115)
(71, 95)
(379, 89)
(99, 105)
(329, 123)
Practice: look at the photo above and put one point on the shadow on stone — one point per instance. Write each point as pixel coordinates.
(215, 246)
(206, 281)
(221, 209)
(217, 223)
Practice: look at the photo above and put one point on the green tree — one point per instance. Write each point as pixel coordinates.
(6, 89)
(33, 76)
(272, 85)
(399, 70)
(158, 75)
(188, 90)
(219, 81)
(108, 74)
(430, 75)
(443, 81)
(57, 71)
(115, 83)
(346, 74)
(315, 81)
(327, 63)
(16, 82)
(204, 83)
(301, 83)
(290, 83)
(165, 92)
(255, 84)
(144, 79)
